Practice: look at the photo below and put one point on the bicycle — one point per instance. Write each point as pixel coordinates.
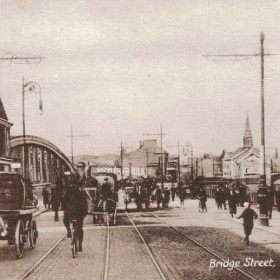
(75, 237)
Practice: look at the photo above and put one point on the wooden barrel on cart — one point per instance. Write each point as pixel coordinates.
(12, 192)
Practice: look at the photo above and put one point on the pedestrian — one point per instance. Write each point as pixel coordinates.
(218, 194)
(270, 201)
(202, 200)
(223, 198)
(166, 196)
(182, 195)
(55, 198)
(136, 194)
(248, 216)
(145, 197)
(173, 191)
(158, 196)
(242, 194)
(46, 197)
(232, 201)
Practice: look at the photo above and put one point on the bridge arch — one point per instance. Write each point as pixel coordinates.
(45, 162)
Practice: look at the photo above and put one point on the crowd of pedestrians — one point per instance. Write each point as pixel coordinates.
(235, 195)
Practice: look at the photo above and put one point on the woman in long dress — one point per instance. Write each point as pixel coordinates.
(232, 201)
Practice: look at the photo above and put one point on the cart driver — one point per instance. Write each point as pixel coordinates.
(75, 207)
(105, 193)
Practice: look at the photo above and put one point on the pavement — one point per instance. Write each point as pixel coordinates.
(190, 216)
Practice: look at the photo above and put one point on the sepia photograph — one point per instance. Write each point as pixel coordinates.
(139, 140)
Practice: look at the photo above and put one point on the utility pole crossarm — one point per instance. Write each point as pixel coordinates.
(68, 136)
(22, 58)
(237, 55)
(151, 134)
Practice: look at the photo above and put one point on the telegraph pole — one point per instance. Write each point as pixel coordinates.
(72, 136)
(191, 162)
(262, 158)
(121, 161)
(72, 148)
(262, 194)
(162, 165)
(161, 151)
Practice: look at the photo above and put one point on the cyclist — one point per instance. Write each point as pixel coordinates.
(75, 207)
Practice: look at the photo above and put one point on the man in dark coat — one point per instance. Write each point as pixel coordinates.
(182, 194)
(105, 193)
(46, 197)
(173, 191)
(202, 199)
(218, 198)
(248, 216)
(242, 194)
(158, 196)
(166, 197)
(75, 207)
(55, 200)
(270, 201)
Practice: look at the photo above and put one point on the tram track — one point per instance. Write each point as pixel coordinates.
(157, 266)
(42, 259)
(237, 269)
(105, 261)
(36, 266)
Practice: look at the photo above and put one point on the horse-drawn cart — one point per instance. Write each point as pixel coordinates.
(101, 210)
(20, 227)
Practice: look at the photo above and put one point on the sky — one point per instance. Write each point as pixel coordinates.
(117, 69)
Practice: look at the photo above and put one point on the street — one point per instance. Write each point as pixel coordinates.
(177, 257)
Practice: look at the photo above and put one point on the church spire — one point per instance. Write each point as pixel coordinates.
(247, 139)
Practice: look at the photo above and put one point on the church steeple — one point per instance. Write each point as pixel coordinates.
(247, 139)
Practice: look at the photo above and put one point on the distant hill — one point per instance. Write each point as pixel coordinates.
(101, 159)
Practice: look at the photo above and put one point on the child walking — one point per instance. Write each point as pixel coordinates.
(248, 216)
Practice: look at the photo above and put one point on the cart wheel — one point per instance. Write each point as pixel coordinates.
(19, 239)
(32, 234)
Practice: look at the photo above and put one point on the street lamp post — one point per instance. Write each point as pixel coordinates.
(35, 88)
